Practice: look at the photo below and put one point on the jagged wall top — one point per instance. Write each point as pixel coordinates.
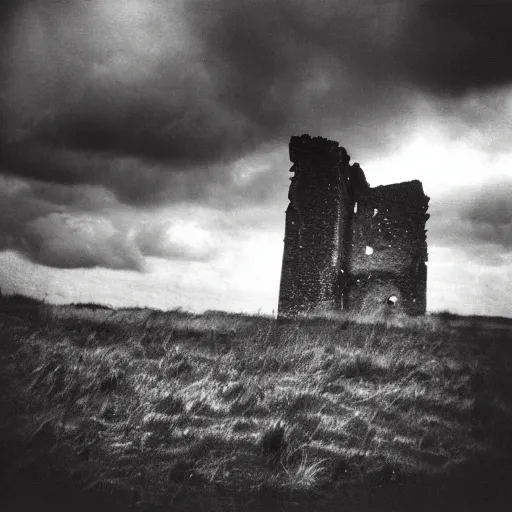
(317, 149)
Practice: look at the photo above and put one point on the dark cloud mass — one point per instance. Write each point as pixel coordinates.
(495, 211)
(196, 83)
(153, 101)
(491, 214)
(477, 221)
(457, 46)
(62, 227)
(69, 227)
(67, 241)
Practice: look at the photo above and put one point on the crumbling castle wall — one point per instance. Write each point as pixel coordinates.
(316, 224)
(347, 245)
(388, 249)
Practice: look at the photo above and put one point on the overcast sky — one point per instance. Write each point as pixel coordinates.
(144, 143)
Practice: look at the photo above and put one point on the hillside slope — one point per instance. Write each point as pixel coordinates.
(142, 402)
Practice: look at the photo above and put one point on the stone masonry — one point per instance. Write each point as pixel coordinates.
(348, 246)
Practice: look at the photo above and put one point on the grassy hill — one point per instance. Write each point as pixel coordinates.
(145, 404)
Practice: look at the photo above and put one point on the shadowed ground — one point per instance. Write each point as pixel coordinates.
(226, 412)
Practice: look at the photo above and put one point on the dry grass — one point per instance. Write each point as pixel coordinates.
(143, 399)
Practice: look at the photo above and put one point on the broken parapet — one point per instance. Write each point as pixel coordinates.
(349, 246)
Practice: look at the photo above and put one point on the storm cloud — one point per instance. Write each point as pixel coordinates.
(95, 91)
(479, 221)
(115, 107)
(64, 227)
(85, 226)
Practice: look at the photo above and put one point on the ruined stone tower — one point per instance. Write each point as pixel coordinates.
(347, 245)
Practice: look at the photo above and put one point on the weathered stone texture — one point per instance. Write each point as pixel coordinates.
(316, 221)
(349, 246)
